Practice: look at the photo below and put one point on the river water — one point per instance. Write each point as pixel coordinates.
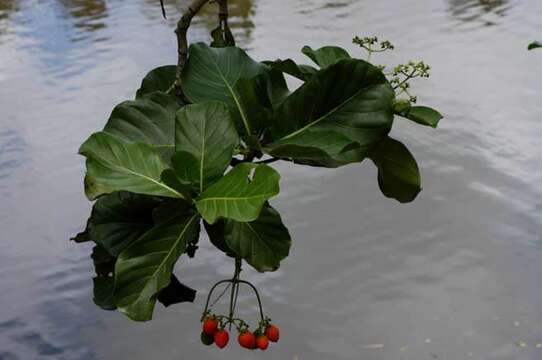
(454, 275)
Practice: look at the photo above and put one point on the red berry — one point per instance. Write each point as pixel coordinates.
(272, 332)
(262, 342)
(221, 338)
(247, 339)
(210, 326)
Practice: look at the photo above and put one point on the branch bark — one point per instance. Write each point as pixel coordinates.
(182, 30)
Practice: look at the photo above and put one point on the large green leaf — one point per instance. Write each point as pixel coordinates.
(398, 172)
(159, 79)
(325, 56)
(212, 73)
(422, 115)
(145, 267)
(184, 176)
(113, 165)
(216, 235)
(318, 148)
(351, 97)
(277, 88)
(120, 218)
(240, 194)
(263, 243)
(149, 119)
(176, 292)
(349, 100)
(288, 66)
(104, 266)
(254, 98)
(207, 133)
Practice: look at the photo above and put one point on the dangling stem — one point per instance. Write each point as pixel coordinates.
(234, 289)
(257, 297)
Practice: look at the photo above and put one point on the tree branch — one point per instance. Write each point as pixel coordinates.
(182, 41)
(182, 30)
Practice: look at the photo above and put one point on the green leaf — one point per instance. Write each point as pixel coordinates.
(206, 132)
(159, 79)
(216, 235)
(240, 194)
(277, 88)
(150, 120)
(104, 262)
(104, 265)
(288, 66)
(422, 115)
(326, 56)
(398, 173)
(81, 237)
(254, 98)
(103, 292)
(318, 148)
(176, 292)
(263, 243)
(113, 165)
(222, 37)
(351, 99)
(173, 179)
(185, 172)
(145, 267)
(212, 73)
(120, 218)
(534, 45)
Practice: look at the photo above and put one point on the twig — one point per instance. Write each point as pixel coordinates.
(182, 41)
(163, 9)
(220, 296)
(182, 30)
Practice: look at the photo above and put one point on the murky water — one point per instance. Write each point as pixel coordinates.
(454, 275)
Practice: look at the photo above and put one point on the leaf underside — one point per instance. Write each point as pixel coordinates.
(145, 267)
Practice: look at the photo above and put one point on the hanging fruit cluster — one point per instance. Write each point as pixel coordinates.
(215, 328)
(215, 332)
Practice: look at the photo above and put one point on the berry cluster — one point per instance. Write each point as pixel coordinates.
(214, 331)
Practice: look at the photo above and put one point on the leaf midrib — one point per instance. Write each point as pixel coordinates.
(202, 159)
(188, 224)
(122, 168)
(237, 198)
(326, 115)
(234, 96)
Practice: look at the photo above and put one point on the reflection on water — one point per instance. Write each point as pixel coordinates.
(7, 7)
(453, 276)
(240, 13)
(485, 11)
(88, 15)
